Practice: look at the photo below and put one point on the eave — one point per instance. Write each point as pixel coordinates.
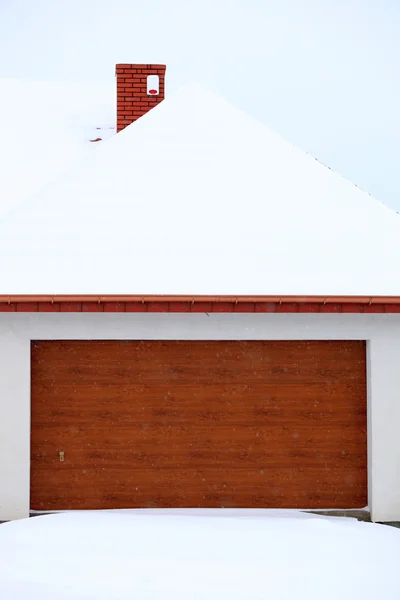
(199, 303)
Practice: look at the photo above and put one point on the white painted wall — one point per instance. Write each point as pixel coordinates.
(381, 331)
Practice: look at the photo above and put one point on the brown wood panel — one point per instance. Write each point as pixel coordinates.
(198, 424)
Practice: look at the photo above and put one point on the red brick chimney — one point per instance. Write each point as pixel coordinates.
(139, 88)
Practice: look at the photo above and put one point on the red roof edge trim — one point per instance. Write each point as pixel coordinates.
(192, 298)
(202, 303)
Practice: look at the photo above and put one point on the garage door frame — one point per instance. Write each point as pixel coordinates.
(380, 331)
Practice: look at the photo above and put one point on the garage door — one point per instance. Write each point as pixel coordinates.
(125, 424)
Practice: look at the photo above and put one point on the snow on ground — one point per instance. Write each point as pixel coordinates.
(148, 555)
(44, 128)
(196, 197)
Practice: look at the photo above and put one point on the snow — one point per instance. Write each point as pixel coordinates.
(154, 556)
(44, 128)
(194, 198)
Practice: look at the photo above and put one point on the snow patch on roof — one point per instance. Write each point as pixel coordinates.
(196, 197)
(44, 128)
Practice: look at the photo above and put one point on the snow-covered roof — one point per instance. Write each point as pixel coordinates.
(196, 197)
(44, 127)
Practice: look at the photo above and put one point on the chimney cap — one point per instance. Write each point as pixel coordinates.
(140, 66)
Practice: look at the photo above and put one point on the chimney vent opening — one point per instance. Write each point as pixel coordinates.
(153, 85)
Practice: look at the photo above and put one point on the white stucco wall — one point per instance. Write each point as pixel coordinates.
(382, 333)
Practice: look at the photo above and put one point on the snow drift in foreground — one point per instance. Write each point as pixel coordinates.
(147, 555)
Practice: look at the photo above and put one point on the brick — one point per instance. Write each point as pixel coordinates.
(126, 71)
(150, 72)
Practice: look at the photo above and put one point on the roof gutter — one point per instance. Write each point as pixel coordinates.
(86, 303)
(368, 300)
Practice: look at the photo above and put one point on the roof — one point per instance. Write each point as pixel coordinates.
(44, 128)
(196, 197)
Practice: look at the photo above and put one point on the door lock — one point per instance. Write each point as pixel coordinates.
(61, 454)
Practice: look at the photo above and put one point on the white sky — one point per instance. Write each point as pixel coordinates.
(322, 73)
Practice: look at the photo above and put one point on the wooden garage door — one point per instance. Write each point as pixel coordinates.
(198, 424)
